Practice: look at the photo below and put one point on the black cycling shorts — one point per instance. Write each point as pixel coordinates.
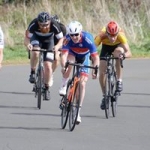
(107, 50)
(44, 41)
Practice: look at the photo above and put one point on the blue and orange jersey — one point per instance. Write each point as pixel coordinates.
(102, 38)
(86, 45)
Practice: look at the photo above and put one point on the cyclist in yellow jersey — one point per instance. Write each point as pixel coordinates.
(114, 42)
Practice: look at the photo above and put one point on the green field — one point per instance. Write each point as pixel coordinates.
(93, 15)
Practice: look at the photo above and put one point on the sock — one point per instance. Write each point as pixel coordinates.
(119, 80)
(64, 81)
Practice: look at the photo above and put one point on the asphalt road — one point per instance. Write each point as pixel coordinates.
(24, 127)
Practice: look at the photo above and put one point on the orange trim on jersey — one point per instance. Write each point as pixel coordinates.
(79, 50)
(84, 74)
(94, 54)
(64, 50)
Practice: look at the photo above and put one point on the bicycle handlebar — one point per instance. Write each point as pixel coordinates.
(81, 65)
(43, 50)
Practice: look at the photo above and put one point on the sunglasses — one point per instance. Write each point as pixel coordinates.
(43, 24)
(112, 35)
(76, 34)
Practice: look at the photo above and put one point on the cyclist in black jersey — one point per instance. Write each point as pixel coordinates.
(37, 36)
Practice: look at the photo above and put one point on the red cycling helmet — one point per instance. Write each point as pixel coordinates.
(112, 28)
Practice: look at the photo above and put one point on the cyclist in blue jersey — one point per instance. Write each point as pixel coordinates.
(78, 46)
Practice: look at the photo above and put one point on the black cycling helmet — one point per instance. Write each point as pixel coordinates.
(43, 17)
(56, 18)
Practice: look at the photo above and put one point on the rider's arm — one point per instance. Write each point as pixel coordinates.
(97, 40)
(1, 45)
(64, 52)
(64, 55)
(95, 59)
(127, 50)
(27, 38)
(59, 44)
(124, 43)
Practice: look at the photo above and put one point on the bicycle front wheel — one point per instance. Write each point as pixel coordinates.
(74, 107)
(65, 107)
(114, 96)
(39, 87)
(107, 97)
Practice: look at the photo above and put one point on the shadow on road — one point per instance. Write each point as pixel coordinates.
(20, 93)
(132, 106)
(20, 107)
(35, 114)
(32, 128)
(144, 94)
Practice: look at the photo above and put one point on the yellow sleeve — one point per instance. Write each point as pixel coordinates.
(97, 40)
(122, 38)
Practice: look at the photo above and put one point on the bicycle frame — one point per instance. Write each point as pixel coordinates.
(111, 75)
(111, 94)
(39, 83)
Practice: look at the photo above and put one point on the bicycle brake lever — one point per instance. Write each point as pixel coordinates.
(66, 65)
(96, 70)
(121, 63)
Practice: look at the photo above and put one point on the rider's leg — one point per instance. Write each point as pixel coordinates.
(102, 74)
(56, 61)
(33, 63)
(47, 72)
(48, 60)
(55, 65)
(102, 79)
(116, 53)
(62, 90)
(34, 55)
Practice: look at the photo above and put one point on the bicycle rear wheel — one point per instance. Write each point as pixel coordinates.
(107, 97)
(74, 107)
(65, 107)
(40, 87)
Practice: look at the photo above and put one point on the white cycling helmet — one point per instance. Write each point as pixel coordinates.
(74, 27)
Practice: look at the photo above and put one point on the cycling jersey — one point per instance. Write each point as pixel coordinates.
(103, 38)
(63, 28)
(54, 27)
(82, 50)
(1, 39)
(85, 46)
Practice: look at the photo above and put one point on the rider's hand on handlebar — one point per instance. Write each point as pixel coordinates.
(94, 76)
(122, 56)
(30, 47)
(56, 48)
(63, 70)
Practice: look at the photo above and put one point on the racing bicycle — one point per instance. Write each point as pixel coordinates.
(70, 103)
(38, 86)
(111, 94)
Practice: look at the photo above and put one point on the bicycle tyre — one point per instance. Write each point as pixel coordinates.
(40, 83)
(107, 98)
(114, 97)
(65, 107)
(74, 107)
